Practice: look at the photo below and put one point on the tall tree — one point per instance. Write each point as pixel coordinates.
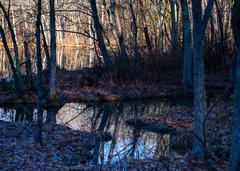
(116, 12)
(174, 28)
(99, 32)
(38, 136)
(234, 162)
(20, 85)
(10, 58)
(52, 61)
(187, 45)
(134, 29)
(145, 27)
(28, 65)
(200, 22)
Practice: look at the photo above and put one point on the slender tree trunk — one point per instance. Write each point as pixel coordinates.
(134, 29)
(116, 11)
(10, 58)
(234, 162)
(174, 28)
(52, 61)
(45, 46)
(15, 47)
(38, 136)
(28, 65)
(187, 45)
(99, 32)
(145, 28)
(220, 22)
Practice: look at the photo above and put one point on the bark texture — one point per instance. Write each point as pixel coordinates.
(187, 45)
(234, 162)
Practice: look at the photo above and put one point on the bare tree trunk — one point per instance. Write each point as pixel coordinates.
(199, 27)
(99, 32)
(174, 29)
(116, 11)
(38, 136)
(10, 58)
(13, 36)
(134, 29)
(199, 84)
(187, 41)
(145, 28)
(45, 46)
(28, 65)
(220, 22)
(234, 162)
(52, 61)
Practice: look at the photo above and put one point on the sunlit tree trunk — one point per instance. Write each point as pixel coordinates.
(234, 162)
(14, 23)
(52, 61)
(145, 28)
(99, 32)
(116, 11)
(220, 22)
(15, 47)
(187, 45)
(10, 58)
(38, 136)
(45, 46)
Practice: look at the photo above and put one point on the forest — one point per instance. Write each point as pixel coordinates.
(120, 85)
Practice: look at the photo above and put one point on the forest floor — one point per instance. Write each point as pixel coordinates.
(61, 147)
(96, 85)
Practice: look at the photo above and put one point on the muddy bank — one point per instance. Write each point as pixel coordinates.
(101, 94)
(95, 85)
(178, 124)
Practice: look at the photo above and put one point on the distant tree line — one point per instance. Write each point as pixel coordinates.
(129, 30)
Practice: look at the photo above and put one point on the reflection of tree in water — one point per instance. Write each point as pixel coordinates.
(24, 113)
(51, 115)
(19, 113)
(127, 142)
(106, 117)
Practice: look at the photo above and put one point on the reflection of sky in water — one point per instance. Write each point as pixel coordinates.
(146, 147)
(110, 118)
(9, 115)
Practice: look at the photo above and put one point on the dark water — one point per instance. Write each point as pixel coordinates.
(111, 118)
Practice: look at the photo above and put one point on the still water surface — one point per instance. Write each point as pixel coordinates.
(126, 142)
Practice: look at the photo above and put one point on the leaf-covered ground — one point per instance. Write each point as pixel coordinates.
(62, 147)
